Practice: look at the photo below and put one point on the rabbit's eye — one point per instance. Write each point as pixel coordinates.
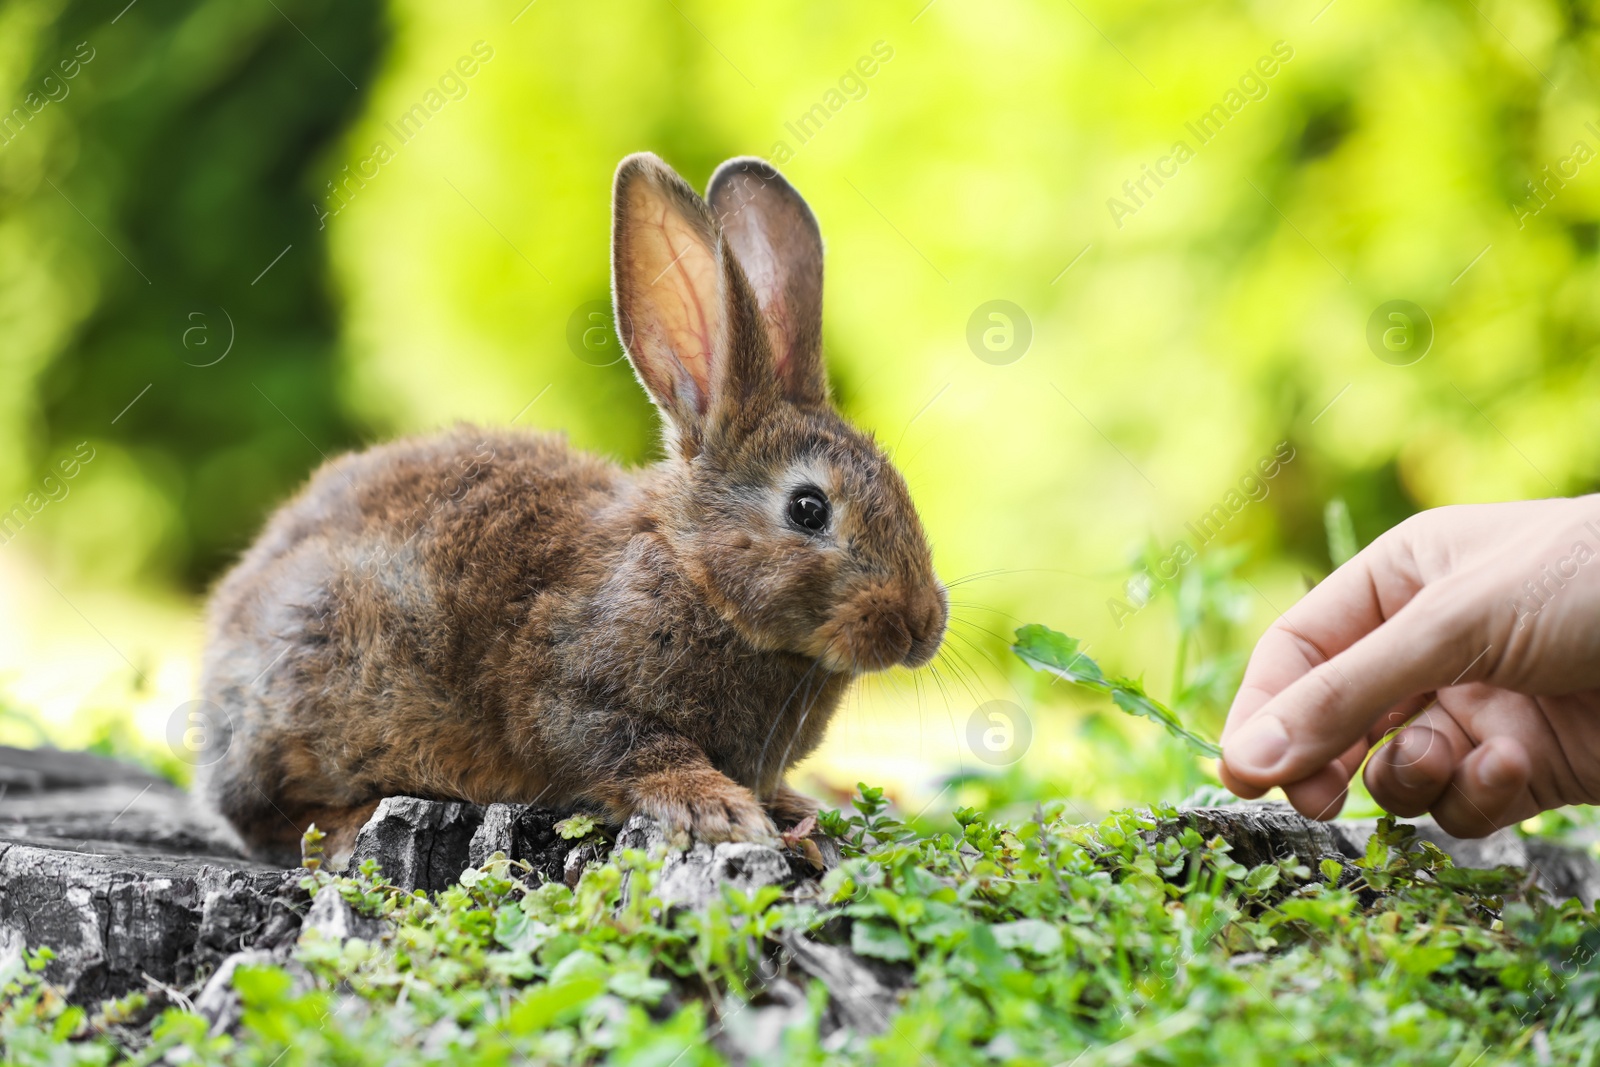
(808, 509)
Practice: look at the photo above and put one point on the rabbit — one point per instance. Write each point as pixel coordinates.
(488, 615)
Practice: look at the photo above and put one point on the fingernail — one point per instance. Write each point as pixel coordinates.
(1259, 746)
(1495, 771)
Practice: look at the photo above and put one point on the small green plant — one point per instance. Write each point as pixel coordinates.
(1045, 649)
(1039, 941)
(311, 848)
(575, 828)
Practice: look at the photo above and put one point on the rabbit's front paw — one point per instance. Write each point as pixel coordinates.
(706, 805)
(790, 808)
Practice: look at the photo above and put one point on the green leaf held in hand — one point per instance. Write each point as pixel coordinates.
(1055, 653)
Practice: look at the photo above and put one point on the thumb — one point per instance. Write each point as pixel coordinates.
(1436, 640)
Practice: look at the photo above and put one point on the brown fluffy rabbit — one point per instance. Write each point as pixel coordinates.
(487, 615)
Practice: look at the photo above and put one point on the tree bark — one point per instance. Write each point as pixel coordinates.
(129, 882)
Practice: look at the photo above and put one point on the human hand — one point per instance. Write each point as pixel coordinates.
(1480, 624)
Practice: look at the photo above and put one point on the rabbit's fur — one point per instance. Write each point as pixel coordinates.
(488, 615)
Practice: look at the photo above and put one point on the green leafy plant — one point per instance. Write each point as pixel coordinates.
(312, 848)
(1055, 653)
(1138, 939)
(576, 827)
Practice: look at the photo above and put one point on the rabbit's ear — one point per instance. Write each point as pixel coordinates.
(685, 312)
(775, 238)
(664, 272)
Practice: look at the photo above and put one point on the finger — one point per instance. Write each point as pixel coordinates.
(1235, 786)
(1489, 790)
(1350, 759)
(1322, 795)
(1330, 618)
(1434, 641)
(1409, 774)
(1334, 615)
(1397, 716)
(1329, 796)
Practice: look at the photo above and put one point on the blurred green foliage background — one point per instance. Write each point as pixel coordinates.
(246, 234)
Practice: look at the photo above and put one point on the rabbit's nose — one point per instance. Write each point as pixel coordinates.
(925, 617)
